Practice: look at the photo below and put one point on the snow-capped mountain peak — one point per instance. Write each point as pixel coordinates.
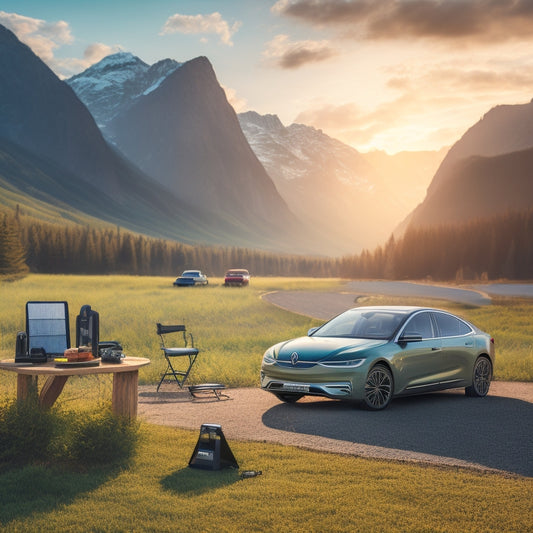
(115, 81)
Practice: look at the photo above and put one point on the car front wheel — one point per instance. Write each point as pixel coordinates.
(482, 375)
(378, 388)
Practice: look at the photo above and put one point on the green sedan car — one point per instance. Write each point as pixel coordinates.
(372, 354)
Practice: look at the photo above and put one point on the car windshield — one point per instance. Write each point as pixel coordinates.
(363, 324)
(191, 273)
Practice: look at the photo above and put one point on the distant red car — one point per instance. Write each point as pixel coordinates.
(236, 276)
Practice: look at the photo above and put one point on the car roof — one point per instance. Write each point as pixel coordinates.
(403, 309)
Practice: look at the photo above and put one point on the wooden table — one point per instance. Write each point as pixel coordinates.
(125, 381)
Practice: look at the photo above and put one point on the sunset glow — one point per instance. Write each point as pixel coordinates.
(391, 75)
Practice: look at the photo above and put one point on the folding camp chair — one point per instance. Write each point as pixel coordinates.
(172, 353)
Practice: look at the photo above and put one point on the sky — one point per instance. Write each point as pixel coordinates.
(391, 75)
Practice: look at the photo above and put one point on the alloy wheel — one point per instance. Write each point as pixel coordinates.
(378, 388)
(481, 378)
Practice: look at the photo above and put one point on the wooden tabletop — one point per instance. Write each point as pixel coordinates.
(129, 364)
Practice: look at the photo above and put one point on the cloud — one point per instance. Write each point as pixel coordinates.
(239, 104)
(95, 52)
(292, 55)
(494, 76)
(41, 36)
(473, 21)
(201, 24)
(418, 116)
(46, 37)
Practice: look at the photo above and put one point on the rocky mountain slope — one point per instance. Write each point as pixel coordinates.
(116, 81)
(54, 154)
(174, 122)
(186, 135)
(502, 130)
(489, 171)
(328, 184)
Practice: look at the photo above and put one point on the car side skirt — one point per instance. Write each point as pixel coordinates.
(432, 387)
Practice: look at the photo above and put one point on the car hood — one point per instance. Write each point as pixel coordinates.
(315, 349)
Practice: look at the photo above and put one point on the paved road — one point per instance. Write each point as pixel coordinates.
(325, 305)
(404, 288)
(523, 290)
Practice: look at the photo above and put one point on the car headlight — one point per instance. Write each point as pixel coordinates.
(352, 363)
(269, 357)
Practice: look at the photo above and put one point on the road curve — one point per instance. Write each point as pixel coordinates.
(325, 305)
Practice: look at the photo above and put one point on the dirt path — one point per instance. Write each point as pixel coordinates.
(490, 433)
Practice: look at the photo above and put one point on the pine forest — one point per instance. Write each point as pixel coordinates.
(486, 249)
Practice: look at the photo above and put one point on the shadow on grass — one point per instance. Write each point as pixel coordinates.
(193, 481)
(35, 489)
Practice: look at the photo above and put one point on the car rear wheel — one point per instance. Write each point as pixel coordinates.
(482, 375)
(289, 398)
(378, 388)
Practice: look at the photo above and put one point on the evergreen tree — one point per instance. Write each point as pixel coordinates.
(12, 254)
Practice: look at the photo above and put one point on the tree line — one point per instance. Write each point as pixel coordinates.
(499, 247)
(62, 249)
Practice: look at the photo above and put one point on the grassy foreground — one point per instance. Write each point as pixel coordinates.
(299, 490)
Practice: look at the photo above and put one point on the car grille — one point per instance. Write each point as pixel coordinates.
(299, 364)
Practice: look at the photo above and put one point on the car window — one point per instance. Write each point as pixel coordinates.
(358, 324)
(420, 324)
(450, 326)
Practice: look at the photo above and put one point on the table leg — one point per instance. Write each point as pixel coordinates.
(125, 390)
(26, 387)
(51, 390)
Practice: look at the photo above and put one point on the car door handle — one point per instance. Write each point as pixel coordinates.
(469, 344)
(435, 349)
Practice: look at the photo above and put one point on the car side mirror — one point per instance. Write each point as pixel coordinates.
(311, 331)
(410, 337)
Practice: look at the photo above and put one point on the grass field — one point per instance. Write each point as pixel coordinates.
(299, 490)
(232, 326)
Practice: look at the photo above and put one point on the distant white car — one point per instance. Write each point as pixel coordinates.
(190, 278)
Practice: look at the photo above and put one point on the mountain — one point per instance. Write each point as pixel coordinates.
(53, 154)
(326, 183)
(479, 187)
(186, 136)
(116, 81)
(489, 171)
(502, 130)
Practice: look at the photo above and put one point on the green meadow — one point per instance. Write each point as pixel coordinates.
(231, 326)
(299, 490)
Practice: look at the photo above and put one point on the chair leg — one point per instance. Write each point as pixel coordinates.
(161, 381)
(192, 359)
(170, 372)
